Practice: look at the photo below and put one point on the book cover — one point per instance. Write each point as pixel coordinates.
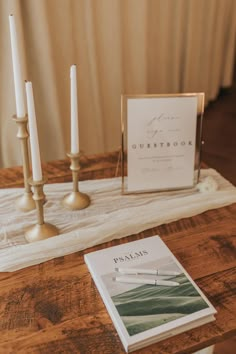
(148, 294)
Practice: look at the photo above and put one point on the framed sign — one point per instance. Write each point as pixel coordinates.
(161, 141)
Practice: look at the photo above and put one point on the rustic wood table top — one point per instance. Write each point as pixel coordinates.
(54, 307)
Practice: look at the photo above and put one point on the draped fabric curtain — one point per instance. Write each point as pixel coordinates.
(119, 46)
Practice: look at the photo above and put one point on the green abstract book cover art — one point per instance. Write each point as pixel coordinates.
(142, 307)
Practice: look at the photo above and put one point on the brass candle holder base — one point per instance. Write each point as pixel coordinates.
(41, 230)
(25, 202)
(75, 200)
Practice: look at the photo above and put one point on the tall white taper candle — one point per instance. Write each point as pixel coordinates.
(74, 111)
(18, 81)
(34, 144)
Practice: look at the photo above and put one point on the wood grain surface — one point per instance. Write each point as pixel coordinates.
(54, 307)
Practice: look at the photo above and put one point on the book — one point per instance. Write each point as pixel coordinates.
(148, 294)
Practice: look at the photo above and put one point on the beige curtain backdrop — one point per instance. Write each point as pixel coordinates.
(119, 46)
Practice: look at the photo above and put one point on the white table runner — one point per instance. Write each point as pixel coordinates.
(109, 216)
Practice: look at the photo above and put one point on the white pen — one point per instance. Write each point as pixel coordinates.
(146, 271)
(131, 280)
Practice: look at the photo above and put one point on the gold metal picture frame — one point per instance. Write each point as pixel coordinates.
(198, 98)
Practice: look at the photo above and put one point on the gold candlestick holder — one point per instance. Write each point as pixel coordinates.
(25, 202)
(41, 230)
(75, 200)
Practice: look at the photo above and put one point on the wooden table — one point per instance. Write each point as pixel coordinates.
(54, 307)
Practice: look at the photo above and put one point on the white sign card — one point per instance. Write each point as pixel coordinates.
(161, 136)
